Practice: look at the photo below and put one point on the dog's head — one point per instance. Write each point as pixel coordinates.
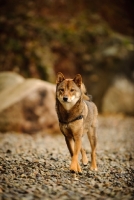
(68, 90)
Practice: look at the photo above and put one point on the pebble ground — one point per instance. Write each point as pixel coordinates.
(37, 167)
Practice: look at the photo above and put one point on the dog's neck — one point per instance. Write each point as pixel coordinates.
(68, 115)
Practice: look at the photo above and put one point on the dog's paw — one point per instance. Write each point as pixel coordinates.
(73, 169)
(74, 172)
(85, 163)
(93, 168)
(76, 168)
(80, 173)
(79, 169)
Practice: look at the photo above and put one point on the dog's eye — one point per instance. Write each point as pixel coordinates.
(72, 90)
(62, 90)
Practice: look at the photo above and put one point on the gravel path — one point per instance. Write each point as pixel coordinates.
(36, 167)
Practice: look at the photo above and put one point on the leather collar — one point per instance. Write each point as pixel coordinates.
(77, 118)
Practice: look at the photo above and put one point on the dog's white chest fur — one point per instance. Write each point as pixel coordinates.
(70, 103)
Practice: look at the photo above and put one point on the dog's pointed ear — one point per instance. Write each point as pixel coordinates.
(78, 80)
(60, 78)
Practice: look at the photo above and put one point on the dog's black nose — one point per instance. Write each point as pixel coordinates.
(65, 98)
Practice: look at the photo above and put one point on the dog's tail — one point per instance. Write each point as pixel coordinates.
(86, 96)
(90, 97)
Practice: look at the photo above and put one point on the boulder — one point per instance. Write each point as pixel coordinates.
(28, 106)
(119, 98)
(9, 79)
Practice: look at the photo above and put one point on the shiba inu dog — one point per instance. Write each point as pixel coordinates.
(77, 115)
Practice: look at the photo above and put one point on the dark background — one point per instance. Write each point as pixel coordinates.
(95, 38)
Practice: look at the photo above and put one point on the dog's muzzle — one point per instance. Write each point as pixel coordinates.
(65, 99)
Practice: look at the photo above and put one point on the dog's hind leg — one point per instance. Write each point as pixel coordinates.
(93, 141)
(84, 156)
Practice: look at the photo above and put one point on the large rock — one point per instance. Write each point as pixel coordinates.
(9, 79)
(120, 97)
(28, 106)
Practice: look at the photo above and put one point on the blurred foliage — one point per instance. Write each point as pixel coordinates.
(23, 40)
(36, 34)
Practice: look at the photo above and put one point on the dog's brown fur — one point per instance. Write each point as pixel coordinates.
(77, 115)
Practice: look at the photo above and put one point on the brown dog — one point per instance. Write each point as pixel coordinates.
(77, 115)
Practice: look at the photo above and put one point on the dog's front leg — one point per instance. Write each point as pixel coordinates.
(75, 167)
(70, 145)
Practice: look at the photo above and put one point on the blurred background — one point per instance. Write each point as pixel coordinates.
(38, 38)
